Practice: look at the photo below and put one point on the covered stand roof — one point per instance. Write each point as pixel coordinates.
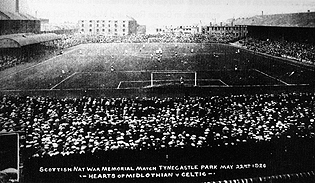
(20, 40)
(16, 16)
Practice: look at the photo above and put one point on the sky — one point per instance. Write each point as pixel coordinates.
(164, 12)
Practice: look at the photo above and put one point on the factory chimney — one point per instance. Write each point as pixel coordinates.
(17, 6)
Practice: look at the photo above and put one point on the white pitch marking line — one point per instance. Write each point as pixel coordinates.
(271, 77)
(37, 64)
(223, 82)
(63, 80)
(119, 84)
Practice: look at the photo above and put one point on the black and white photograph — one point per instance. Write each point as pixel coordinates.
(157, 91)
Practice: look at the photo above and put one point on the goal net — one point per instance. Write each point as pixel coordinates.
(173, 78)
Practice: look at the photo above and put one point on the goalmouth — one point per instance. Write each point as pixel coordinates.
(171, 78)
(159, 78)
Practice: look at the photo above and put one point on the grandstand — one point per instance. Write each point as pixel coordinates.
(302, 19)
(15, 18)
(157, 108)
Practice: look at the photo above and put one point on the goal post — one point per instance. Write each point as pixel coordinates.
(173, 77)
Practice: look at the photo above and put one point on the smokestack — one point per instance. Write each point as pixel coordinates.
(17, 6)
(262, 13)
(221, 24)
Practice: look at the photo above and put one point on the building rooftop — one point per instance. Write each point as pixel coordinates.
(304, 19)
(125, 17)
(16, 16)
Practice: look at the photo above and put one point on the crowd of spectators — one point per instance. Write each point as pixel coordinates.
(12, 57)
(292, 50)
(70, 40)
(303, 52)
(52, 126)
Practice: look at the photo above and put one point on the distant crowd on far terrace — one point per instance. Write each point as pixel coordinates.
(51, 126)
(159, 38)
(38, 52)
(35, 53)
(302, 52)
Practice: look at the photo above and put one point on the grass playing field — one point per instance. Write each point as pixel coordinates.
(121, 66)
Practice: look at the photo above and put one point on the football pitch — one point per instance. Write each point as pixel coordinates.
(142, 65)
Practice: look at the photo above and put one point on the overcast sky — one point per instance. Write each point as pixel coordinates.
(164, 12)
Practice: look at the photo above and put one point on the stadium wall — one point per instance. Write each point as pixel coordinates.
(161, 91)
(297, 34)
(19, 26)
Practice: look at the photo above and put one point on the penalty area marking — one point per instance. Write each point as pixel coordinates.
(137, 71)
(271, 77)
(223, 82)
(63, 80)
(146, 81)
(119, 85)
(212, 80)
(140, 81)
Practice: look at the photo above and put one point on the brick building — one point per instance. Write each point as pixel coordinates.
(227, 29)
(109, 26)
